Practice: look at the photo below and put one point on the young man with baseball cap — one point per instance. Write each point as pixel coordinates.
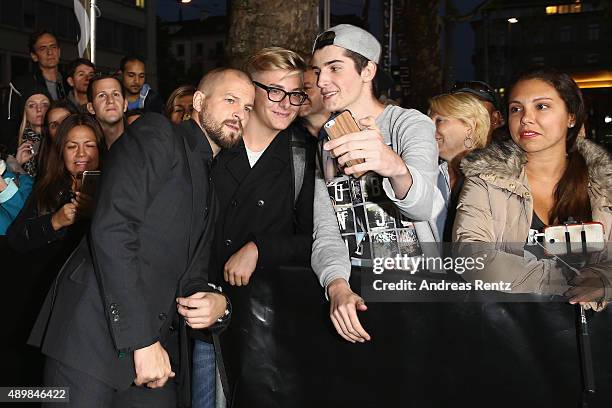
(386, 212)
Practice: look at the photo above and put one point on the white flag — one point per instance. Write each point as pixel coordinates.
(83, 20)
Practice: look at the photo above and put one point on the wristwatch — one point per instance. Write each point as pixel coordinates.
(228, 304)
(228, 310)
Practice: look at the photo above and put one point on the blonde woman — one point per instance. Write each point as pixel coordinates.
(462, 125)
(30, 131)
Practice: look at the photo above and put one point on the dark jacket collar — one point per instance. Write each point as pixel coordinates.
(277, 148)
(195, 137)
(277, 155)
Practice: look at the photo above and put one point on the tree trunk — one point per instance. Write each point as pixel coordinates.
(255, 24)
(418, 47)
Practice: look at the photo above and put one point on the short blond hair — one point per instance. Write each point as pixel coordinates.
(466, 108)
(275, 58)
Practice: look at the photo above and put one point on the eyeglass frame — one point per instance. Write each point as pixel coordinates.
(303, 95)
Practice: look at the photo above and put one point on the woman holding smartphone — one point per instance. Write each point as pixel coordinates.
(49, 227)
(30, 131)
(546, 175)
(53, 215)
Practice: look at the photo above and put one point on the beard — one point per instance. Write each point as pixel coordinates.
(217, 132)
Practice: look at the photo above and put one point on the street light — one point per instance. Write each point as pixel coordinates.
(510, 62)
(182, 3)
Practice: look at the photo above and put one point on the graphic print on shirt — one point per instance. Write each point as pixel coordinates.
(370, 224)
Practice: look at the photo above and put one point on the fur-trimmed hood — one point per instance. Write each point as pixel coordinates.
(506, 160)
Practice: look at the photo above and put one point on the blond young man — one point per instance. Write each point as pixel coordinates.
(264, 222)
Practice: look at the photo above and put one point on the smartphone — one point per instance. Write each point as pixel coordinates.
(340, 125)
(89, 182)
(35, 148)
(574, 238)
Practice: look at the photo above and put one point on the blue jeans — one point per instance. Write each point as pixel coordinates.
(203, 389)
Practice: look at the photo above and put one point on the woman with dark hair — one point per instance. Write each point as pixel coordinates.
(57, 112)
(46, 231)
(55, 210)
(179, 105)
(545, 176)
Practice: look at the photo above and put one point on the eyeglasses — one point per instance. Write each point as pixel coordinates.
(277, 94)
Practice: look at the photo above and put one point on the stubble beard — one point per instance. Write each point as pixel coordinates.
(216, 133)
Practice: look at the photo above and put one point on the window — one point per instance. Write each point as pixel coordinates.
(130, 39)
(564, 8)
(46, 15)
(575, 8)
(564, 34)
(104, 35)
(140, 3)
(11, 12)
(66, 23)
(180, 50)
(538, 38)
(123, 37)
(29, 14)
(593, 32)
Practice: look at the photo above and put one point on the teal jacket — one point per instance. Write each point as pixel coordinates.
(13, 197)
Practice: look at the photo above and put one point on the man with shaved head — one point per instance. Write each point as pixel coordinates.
(110, 327)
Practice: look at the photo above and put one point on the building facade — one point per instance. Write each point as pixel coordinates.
(123, 27)
(574, 37)
(198, 45)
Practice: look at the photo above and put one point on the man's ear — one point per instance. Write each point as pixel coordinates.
(198, 100)
(125, 105)
(34, 57)
(497, 119)
(90, 108)
(70, 81)
(369, 72)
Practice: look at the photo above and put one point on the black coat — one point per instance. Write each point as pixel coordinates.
(257, 204)
(151, 243)
(37, 253)
(153, 102)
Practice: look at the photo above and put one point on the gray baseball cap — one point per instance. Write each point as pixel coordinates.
(351, 38)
